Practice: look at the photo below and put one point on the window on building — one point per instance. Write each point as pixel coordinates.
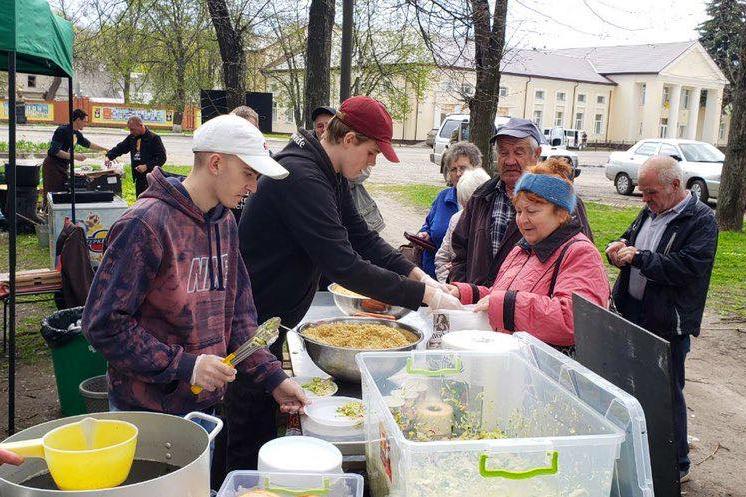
(643, 93)
(639, 133)
(686, 96)
(666, 96)
(703, 98)
(681, 131)
(663, 129)
(274, 110)
(598, 124)
(539, 95)
(721, 132)
(579, 120)
(601, 99)
(561, 96)
(467, 88)
(503, 91)
(31, 82)
(559, 118)
(581, 98)
(538, 117)
(289, 115)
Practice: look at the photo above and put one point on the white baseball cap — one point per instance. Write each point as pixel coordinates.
(230, 134)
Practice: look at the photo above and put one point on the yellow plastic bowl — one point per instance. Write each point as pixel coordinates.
(74, 465)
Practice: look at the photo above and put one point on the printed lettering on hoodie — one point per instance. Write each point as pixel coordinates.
(199, 273)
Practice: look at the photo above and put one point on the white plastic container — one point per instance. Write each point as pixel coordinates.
(555, 443)
(237, 483)
(299, 455)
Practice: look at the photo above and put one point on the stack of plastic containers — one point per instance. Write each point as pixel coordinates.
(276, 484)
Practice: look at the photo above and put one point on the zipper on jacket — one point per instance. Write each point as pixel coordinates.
(670, 243)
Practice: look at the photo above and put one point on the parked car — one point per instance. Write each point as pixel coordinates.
(562, 153)
(702, 164)
(458, 123)
(568, 138)
(431, 137)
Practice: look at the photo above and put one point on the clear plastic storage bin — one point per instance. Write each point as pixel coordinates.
(239, 483)
(529, 422)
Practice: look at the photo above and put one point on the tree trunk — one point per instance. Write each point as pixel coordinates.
(51, 92)
(318, 56)
(127, 87)
(231, 53)
(489, 43)
(732, 196)
(180, 92)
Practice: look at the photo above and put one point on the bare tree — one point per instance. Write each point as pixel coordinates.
(318, 56)
(450, 29)
(732, 196)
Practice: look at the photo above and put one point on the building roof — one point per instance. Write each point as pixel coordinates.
(552, 65)
(629, 59)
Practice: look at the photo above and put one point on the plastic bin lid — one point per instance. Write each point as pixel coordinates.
(633, 475)
(338, 484)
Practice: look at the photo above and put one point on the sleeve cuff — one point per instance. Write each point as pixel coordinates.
(496, 310)
(465, 293)
(274, 379)
(637, 259)
(186, 367)
(509, 310)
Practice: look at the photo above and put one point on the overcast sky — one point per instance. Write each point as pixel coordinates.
(573, 23)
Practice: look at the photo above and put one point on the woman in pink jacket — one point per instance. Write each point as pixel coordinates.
(534, 286)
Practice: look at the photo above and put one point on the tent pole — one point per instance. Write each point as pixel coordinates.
(72, 151)
(11, 178)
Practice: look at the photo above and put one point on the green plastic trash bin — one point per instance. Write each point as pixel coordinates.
(74, 359)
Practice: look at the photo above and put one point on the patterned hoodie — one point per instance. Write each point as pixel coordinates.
(171, 286)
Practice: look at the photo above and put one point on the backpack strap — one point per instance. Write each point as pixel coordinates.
(557, 265)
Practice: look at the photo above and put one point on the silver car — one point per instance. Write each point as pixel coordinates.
(702, 164)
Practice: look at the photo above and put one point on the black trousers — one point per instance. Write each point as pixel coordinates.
(250, 418)
(141, 182)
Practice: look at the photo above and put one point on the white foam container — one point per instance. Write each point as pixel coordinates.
(299, 454)
(569, 432)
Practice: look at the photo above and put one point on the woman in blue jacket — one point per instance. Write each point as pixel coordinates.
(459, 157)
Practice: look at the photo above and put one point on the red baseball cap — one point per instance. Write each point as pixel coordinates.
(369, 117)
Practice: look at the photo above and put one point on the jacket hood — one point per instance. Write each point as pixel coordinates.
(304, 145)
(160, 188)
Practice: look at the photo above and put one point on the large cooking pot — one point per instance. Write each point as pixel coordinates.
(172, 459)
(340, 362)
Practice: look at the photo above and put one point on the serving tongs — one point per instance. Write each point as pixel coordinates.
(265, 335)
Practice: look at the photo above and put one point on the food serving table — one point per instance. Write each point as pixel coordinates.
(323, 307)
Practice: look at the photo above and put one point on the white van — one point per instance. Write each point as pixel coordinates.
(451, 123)
(562, 137)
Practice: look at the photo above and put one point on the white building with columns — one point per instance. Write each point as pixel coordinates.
(669, 90)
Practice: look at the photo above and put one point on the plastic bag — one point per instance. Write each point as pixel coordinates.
(447, 320)
(61, 327)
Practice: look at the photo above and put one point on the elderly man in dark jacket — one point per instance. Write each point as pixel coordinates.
(666, 258)
(487, 231)
(146, 152)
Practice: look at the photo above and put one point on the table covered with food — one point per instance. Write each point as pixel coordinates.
(415, 408)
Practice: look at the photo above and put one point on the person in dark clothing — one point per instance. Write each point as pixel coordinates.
(487, 231)
(320, 118)
(56, 166)
(295, 230)
(666, 258)
(146, 152)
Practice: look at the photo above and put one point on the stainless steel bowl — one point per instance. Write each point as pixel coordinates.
(340, 362)
(355, 305)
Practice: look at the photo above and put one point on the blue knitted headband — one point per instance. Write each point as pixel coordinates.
(550, 188)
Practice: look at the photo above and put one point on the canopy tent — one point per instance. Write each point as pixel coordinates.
(32, 40)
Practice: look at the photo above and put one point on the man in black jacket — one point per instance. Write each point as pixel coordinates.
(292, 234)
(666, 258)
(146, 152)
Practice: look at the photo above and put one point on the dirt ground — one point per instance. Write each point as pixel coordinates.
(715, 392)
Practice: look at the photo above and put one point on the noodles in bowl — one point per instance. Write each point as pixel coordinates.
(360, 335)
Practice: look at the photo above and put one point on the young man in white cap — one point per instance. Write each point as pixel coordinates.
(172, 296)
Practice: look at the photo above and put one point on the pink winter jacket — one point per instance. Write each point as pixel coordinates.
(519, 299)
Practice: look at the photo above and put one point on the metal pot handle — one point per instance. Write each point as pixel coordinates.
(206, 417)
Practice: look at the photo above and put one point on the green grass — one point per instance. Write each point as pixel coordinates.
(25, 146)
(727, 293)
(128, 186)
